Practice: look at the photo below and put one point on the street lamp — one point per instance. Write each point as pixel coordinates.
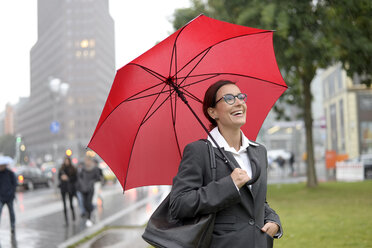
(58, 89)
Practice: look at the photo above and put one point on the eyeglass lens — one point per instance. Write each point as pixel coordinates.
(230, 99)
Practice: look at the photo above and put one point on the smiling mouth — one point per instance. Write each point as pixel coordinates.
(237, 113)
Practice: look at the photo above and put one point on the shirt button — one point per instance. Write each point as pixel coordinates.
(251, 222)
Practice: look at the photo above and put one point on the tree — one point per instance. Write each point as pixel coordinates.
(349, 29)
(310, 35)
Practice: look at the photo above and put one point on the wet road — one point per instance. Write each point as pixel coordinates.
(40, 220)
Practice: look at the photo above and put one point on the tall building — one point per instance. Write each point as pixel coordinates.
(9, 119)
(72, 69)
(348, 111)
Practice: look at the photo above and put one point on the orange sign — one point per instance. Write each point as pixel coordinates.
(330, 156)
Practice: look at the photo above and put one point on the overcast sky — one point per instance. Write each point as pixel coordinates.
(139, 24)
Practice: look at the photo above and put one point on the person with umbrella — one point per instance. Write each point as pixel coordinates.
(243, 217)
(8, 185)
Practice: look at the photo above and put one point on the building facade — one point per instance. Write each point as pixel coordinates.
(76, 46)
(348, 111)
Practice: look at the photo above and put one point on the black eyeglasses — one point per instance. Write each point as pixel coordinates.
(230, 98)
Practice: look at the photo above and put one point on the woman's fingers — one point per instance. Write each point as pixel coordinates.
(239, 177)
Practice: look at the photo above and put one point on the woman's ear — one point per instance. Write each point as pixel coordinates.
(212, 113)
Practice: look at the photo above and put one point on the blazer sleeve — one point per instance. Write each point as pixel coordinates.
(190, 195)
(272, 216)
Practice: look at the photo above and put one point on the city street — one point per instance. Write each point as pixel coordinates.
(40, 221)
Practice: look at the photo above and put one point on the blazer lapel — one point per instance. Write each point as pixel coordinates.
(245, 192)
(253, 156)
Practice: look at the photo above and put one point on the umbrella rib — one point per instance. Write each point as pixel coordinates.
(174, 54)
(192, 96)
(205, 53)
(208, 48)
(161, 104)
(132, 98)
(154, 73)
(145, 118)
(174, 51)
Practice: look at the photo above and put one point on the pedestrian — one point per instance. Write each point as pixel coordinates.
(8, 185)
(291, 164)
(243, 217)
(67, 176)
(97, 185)
(87, 177)
(79, 195)
(281, 161)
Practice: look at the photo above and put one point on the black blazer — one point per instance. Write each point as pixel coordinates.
(239, 214)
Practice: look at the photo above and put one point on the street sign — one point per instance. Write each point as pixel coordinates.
(55, 127)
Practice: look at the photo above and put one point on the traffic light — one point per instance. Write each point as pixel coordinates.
(19, 139)
(68, 152)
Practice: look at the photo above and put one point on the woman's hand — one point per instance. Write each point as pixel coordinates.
(240, 177)
(270, 228)
(64, 177)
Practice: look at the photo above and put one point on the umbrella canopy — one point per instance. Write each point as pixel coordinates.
(6, 160)
(145, 124)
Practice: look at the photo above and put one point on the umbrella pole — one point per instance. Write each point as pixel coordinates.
(170, 82)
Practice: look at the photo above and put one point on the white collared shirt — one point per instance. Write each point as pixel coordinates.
(240, 156)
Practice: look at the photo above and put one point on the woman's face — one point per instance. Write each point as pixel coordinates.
(67, 161)
(226, 115)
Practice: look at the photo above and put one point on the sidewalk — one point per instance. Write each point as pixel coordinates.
(125, 229)
(122, 229)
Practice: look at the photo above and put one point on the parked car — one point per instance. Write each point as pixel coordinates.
(50, 169)
(366, 159)
(367, 162)
(29, 177)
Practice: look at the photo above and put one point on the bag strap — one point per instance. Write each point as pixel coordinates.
(212, 159)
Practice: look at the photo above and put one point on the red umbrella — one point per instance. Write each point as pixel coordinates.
(145, 124)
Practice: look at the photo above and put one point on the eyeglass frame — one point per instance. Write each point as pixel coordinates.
(235, 96)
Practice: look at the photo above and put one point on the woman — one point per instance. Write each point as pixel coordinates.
(243, 218)
(67, 176)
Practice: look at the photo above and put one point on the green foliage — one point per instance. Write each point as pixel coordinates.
(348, 27)
(331, 215)
(7, 145)
(183, 16)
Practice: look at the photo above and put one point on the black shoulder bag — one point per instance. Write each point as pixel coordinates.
(162, 231)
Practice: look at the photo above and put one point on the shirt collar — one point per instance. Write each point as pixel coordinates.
(223, 143)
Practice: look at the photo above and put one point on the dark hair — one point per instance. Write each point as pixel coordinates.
(210, 100)
(64, 162)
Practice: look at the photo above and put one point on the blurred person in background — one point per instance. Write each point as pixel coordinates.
(291, 164)
(97, 185)
(67, 176)
(87, 177)
(8, 185)
(281, 161)
(79, 195)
